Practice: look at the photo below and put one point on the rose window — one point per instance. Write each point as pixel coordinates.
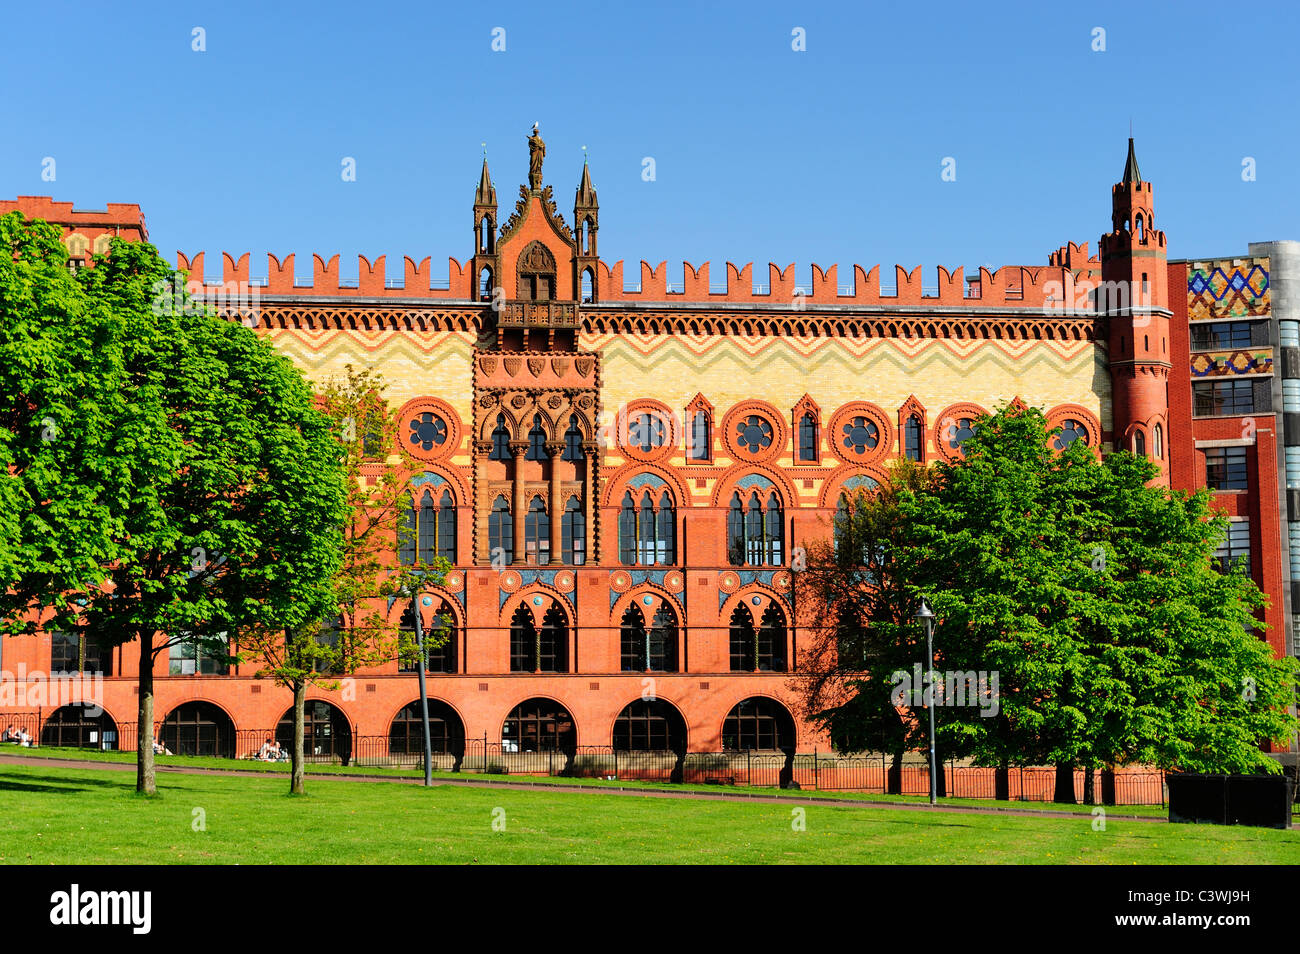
(754, 434)
(1071, 431)
(860, 435)
(428, 429)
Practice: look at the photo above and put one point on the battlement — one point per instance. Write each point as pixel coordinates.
(1011, 286)
(116, 216)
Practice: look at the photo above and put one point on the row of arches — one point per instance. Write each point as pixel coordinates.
(539, 724)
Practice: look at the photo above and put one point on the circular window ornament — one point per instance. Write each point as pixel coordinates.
(428, 429)
(647, 430)
(954, 428)
(1071, 430)
(753, 432)
(1076, 424)
(860, 433)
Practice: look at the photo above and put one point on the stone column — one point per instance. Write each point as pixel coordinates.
(589, 503)
(482, 504)
(555, 451)
(518, 506)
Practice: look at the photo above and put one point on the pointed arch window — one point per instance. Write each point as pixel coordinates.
(408, 533)
(500, 440)
(501, 536)
(440, 659)
(485, 284)
(537, 533)
(699, 436)
(913, 438)
(588, 284)
(755, 530)
(1139, 444)
(649, 650)
(537, 441)
(573, 534)
(647, 529)
(539, 650)
(428, 530)
(573, 441)
(1158, 442)
(761, 649)
(808, 437)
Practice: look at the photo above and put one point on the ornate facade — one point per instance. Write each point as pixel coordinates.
(622, 472)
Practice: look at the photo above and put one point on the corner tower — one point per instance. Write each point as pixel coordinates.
(1134, 297)
(586, 222)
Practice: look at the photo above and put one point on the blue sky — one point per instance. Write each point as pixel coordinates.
(762, 153)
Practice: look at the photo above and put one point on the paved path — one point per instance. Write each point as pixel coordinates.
(730, 796)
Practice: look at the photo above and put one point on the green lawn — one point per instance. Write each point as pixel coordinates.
(84, 816)
(208, 762)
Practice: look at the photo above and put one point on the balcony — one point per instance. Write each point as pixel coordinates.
(538, 314)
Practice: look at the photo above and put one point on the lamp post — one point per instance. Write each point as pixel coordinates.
(424, 696)
(926, 616)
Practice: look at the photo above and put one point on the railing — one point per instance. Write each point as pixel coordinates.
(538, 314)
(814, 772)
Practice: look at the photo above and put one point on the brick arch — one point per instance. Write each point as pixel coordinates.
(523, 598)
(831, 488)
(950, 415)
(452, 475)
(446, 702)
(632, 596)
(539, 694)
(886, 438)
(737, 472)
(188, 699)
(316, 694)
(622, 423)
(741, 597)
(738, 412)
(758, 694)
(489, 422)
(616, 484)
(394, 613)
(686, 723)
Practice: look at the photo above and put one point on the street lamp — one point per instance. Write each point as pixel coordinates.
(424, 696)
(926, 616)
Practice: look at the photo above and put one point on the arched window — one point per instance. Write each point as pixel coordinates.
(647, 529)
(437, 659)
(537, 533)
(534, 650)
(536, 441)
(761, 650)
(756, 530)
(1142, 232)
(758, 723)
(407, 533)
(652, 650)
(699, 436)
(446, 731)
(427, 534)
(1071, 431)
(198, 728)
(1139, 444)
(500, 440)
(326, 734)
(485, 284)
(539, 725)
(650, 725)
(588, 284)
(1158, 442)
(808, 438)
(72, 727)
(573, 441)
(501, 535)
(647, 431)
(573, 534)
(913, 438)
(485, 235)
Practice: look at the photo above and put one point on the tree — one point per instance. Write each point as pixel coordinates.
(220, 479)
(1091, 596)
(62, 401)
(856, 613)
(357, 631)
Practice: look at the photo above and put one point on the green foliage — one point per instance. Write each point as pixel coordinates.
(1093, 598)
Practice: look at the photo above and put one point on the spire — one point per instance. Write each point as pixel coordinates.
(1131, 173)
(486, 194)
(586, 195)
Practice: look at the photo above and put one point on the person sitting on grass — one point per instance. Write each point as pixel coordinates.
(268, 751)
(23, 738)
(11, 734)
(160, 749)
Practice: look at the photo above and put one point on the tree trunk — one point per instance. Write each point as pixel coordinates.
(940, 781)
(894, 782)
(1002, 782)
(1108, 785)
(1088, 778)
(296, 786)
(1064, 784)
(145, 783)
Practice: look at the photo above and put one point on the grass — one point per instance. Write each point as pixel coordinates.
(58, 815)
(213, 763)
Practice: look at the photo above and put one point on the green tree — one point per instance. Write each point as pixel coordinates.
(856, 614)
(219, 478)
(358, 631)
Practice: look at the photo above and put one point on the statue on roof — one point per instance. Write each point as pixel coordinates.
(536, 153)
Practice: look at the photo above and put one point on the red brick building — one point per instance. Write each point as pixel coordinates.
(621, 465)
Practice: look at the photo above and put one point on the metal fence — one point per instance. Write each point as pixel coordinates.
(869, 773)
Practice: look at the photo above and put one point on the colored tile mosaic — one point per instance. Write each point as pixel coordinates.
(1216, 363)
(1228, 289)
